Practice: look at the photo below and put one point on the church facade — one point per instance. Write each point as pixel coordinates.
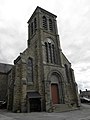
(41, 78)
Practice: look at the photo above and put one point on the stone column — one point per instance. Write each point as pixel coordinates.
(17, 89)
(48, 96)
(23, 89)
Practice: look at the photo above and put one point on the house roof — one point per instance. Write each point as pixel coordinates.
(4, 68)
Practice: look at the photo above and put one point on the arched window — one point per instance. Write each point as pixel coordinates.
(44, 22)
(47, 55)
(32, 28)
(50, 52)
(50, 25)
(29, 70)
(53, 54)
(35, 24)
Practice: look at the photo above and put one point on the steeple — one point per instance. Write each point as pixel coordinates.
(41, 20)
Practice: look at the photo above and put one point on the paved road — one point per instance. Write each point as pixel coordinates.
(82, 114)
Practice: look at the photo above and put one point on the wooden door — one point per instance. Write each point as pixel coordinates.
(54, 93)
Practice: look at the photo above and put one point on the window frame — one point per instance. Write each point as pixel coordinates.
(50, 25)
(30, 70)
(44, 20)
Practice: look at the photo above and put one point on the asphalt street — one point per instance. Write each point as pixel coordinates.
(82, 114)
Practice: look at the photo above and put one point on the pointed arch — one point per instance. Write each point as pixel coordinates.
(50, 51)
(29, 70)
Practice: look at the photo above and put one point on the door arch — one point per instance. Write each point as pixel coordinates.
(57, 95)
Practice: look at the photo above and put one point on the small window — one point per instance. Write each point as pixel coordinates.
(50, 25)
(44, 22)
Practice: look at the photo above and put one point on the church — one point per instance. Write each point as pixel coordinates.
(41, 78)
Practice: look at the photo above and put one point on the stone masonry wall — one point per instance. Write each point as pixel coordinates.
(17, 88)
(10, 89)
(3, 86)
(23, 87)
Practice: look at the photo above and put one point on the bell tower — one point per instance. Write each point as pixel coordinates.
(44, 39)
(42, 26)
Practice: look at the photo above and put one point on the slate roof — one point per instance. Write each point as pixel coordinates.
(4, 68)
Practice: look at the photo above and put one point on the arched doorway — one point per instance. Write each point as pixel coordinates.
(57, 95)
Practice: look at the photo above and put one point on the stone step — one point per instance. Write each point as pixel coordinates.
(62, 108)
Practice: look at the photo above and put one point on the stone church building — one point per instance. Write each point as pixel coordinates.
(41, 78)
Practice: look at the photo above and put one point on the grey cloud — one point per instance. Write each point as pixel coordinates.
(80, 86)
(84, 68)
(12, 42)
(84, 85)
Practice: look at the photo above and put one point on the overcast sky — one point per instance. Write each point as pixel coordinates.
(73, 18)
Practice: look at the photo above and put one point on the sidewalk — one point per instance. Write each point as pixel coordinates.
(82, 114)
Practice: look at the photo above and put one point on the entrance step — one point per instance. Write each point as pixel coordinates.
(63, 108)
